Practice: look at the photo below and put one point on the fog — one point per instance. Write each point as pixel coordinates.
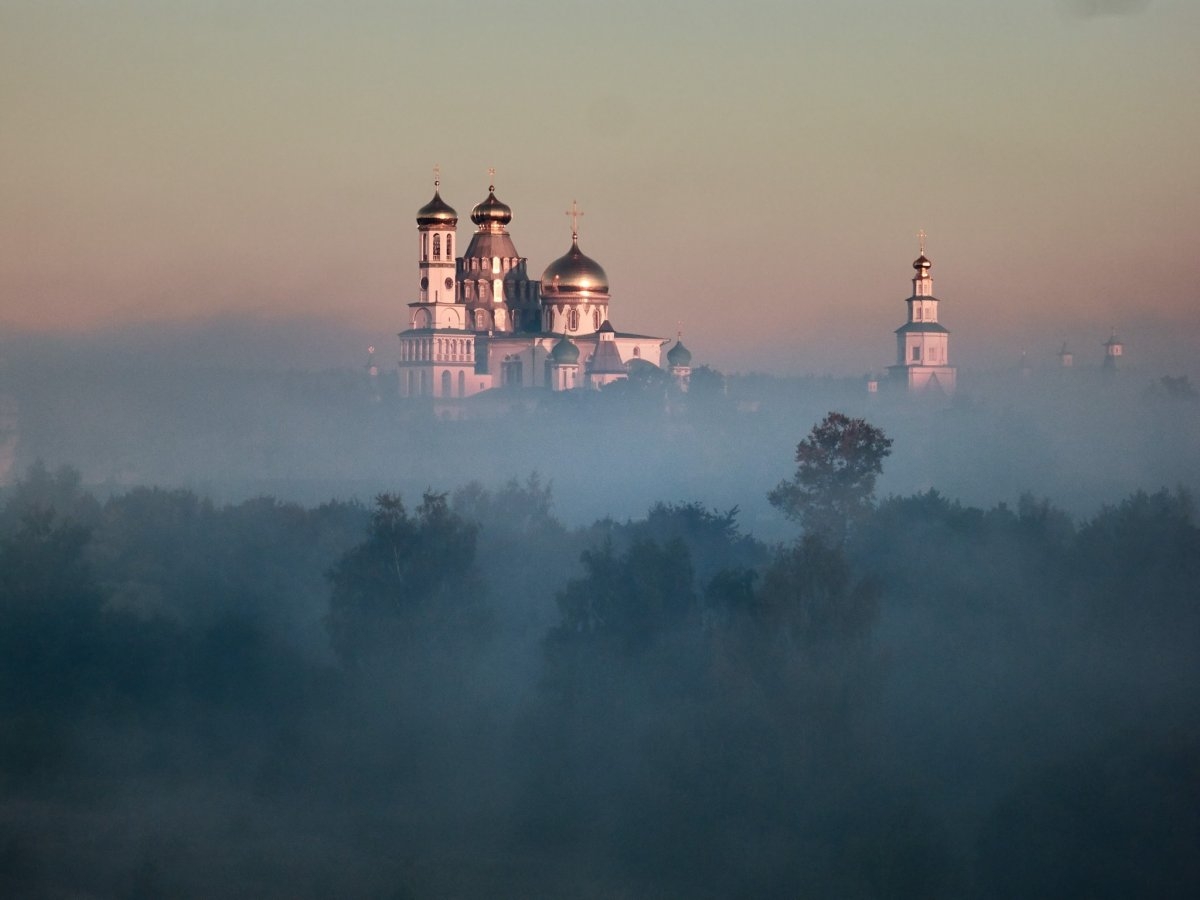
(267, 631)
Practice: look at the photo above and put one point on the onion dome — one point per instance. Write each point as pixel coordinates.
(437, 212)
(574, 274)
(565, 352)
(921, 262)
(679, 355)
(491, 210)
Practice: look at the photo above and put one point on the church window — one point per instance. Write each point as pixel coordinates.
(480, 320)
(637, 352)
(449, 246)
(573, 320)
(425, 246)
(916, 354)
(511, 373)
(445, 384)
(437, 246)
(596, 319)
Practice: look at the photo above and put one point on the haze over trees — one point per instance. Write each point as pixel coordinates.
(906, 697)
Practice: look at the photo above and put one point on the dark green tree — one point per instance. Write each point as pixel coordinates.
(834, 484)
(410, 574)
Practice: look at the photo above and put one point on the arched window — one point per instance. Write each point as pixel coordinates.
(637, 351)
(425, 245)
(445, 384)
(449, 246)
(480, 320)
(573, 319)
(596, 319)
(437, 246)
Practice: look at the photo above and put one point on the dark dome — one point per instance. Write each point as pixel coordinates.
(565, 352)
(492, 210)
(679, 355)
(574, 273)
(922, 262)
(437, 212)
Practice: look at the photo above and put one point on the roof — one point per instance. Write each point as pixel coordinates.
(923, 328)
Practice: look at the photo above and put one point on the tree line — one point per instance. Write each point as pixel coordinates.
(462, 696)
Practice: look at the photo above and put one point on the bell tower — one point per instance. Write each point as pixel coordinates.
(923, 343)
(436, 225)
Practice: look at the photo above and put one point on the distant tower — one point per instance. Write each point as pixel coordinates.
(922, 344)
(1113, 351)
(372, 373)
(679, 363)
(1066, 359)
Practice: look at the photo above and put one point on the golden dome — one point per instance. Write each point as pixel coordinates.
(437, 212)
(574, 274)
(492, 210)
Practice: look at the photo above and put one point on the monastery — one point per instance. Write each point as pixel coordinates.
(481, 322)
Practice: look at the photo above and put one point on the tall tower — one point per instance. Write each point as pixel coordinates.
(1113, 351)
(922, 343)
(436, 225)
(493, 285)
(437, 354)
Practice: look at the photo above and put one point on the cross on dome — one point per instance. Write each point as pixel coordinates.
(437, 175)
(574, 212)
(491, 178)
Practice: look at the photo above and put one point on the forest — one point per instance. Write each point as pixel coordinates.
(459, 694)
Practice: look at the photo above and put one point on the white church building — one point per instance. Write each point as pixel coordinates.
(923, 343)
(480, 322)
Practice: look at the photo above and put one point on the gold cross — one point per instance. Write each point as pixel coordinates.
(574, 212)
(491, 178)
(921, 238)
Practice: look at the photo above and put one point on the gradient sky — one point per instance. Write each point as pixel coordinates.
(756, 171)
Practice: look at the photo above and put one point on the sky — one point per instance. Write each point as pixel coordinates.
(754, 174)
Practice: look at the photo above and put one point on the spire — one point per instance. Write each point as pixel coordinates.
(922, 281)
